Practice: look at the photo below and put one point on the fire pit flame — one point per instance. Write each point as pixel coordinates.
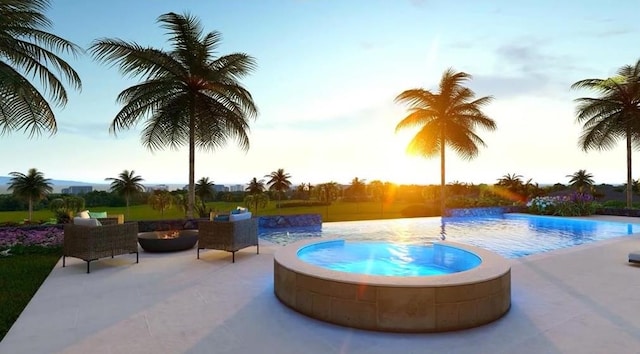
(169, 234)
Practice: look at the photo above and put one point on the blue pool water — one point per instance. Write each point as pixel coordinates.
(388, 258)
(510, 235)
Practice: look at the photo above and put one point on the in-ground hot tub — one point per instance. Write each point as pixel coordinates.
(475, 290)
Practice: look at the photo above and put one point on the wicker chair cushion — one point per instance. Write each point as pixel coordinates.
(84, 214)
(86, 222)
(241, 216)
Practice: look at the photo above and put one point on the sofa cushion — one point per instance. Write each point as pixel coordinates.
(86, 222)
(97, 214)
(84, 214)
(221, 217)
(241, 216)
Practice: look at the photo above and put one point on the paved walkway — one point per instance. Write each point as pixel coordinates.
(584, 299)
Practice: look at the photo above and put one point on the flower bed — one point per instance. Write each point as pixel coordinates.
(45, 236)
(576, 204)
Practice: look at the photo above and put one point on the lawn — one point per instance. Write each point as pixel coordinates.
(20, 277)
(337, 211)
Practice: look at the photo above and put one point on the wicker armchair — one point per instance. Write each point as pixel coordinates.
(228, 236)
(91, 243)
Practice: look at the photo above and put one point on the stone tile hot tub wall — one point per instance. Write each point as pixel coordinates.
(395, 304)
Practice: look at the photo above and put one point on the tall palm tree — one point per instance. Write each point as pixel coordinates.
(256, 194)
(613, 115)
(27, 49)
(31, 187)
(279, 182)
(448, 117)
(581, 179)
(127, 184)
(204, 191)
(188, 96)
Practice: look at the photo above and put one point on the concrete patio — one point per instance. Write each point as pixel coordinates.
(584, 299)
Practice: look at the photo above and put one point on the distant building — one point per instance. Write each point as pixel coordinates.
(220, 188)
(159, 187)
(236, 188)
(75, 190)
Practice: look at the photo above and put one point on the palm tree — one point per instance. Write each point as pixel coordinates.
(188, 96)
(376, 189)
(161, 200)
(511, 181)
(357, 189)
(279, 182)
(581, 179)
(448, 117)
(28, 49)
(31, 187)
(327, 193)
(204, 191)
(255, 186)
(127, 184)
(614, 115)
(256, 194)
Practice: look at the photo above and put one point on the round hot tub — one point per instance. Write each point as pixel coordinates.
(389, 287)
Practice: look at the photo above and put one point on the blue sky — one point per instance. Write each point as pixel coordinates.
(328, 72)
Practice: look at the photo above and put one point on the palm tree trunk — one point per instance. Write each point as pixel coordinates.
(128, 214)
(192, 153)
(629, 179)
(442, 176)
(30, 209)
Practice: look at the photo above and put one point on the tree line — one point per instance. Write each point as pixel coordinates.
(33, 191)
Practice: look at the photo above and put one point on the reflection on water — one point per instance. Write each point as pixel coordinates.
(511, 235)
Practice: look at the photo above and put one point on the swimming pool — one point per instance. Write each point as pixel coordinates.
(510, 235)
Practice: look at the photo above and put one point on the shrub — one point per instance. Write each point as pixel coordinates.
(576, 204)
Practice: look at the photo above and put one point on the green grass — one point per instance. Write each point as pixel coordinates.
(337, 211)
(20, 277)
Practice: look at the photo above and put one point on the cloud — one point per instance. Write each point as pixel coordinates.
(613, 32)
(524, 68)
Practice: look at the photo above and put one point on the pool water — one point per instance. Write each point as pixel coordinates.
(510, 235)
(388, 258)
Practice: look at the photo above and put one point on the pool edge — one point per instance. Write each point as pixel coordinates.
(395, 304)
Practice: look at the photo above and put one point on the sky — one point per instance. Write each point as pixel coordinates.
(328, 72)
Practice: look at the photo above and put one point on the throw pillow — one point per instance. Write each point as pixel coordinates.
(84, 214)
(97, 214)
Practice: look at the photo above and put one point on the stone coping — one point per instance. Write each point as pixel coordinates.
(492, 266)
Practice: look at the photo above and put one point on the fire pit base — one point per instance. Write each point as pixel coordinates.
(154, 241)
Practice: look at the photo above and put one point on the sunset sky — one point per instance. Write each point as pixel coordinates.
(328, 73)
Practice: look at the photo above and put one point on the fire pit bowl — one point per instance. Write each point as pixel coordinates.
(168, 241)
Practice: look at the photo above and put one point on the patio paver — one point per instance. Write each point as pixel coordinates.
(583, 299)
